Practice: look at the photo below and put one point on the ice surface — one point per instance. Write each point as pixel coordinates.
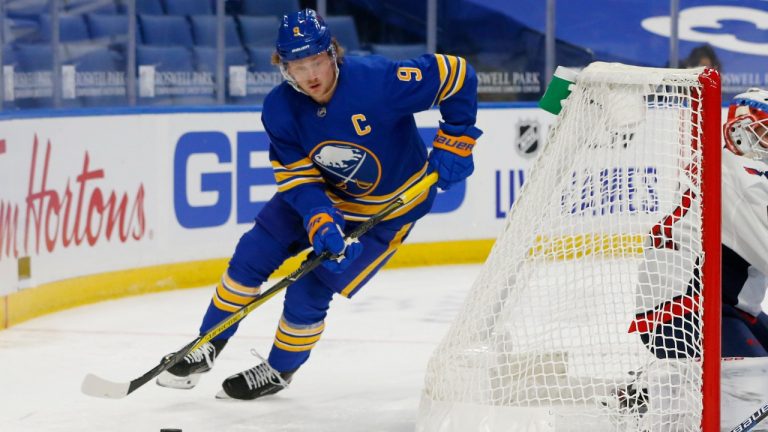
(364, 375)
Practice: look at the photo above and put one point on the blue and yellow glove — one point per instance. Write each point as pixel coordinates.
(451, 154)
(325, 227)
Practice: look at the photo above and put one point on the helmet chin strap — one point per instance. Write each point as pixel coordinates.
(295, 85)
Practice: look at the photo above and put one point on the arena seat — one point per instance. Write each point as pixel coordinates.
(165, 58)
(34, 57)
(28, 9)
(100, 59)
(399, 51)
(260, 67)
(21, 30)
(75, 50)
(258, 30)
(344, 29)
(205, 61)
(90, 6)
(164, 30)
(260, 58)
(9, 55)
(107, 26)
(72, 28)
(205, 58)
(188, 7)
(204, 30)
(173, 59)
(276, 8)
(146, 7)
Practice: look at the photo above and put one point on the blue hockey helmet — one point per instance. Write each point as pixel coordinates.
(302, 34)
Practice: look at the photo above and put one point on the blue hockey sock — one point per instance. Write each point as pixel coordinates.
(212, 317)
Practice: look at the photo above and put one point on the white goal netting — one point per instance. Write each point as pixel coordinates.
(587, 315)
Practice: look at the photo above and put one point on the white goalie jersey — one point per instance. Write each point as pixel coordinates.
(744, 238)
(745, 229)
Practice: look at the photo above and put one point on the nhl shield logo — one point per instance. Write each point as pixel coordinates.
(528, 139)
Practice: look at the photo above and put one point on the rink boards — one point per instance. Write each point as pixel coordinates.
(99, 204)
(125, 202)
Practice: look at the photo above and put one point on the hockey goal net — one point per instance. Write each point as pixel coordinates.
(598, 307)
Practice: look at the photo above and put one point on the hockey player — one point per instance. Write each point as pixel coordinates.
(745, 226)
(744, 248)
(344, 143)
(671, 330)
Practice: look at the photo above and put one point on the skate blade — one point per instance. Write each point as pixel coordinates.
(169, 380)
(222, 395)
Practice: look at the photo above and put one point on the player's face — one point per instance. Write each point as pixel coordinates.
(760, 128)
(315, 75)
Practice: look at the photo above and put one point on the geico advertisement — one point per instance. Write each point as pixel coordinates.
(84, 195)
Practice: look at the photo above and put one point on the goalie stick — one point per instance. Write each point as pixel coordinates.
(96, 386)
(753, 420)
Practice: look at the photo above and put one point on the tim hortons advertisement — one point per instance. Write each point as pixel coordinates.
(86, 195)
(75, 200)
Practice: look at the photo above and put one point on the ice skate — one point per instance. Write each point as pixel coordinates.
(258, 381)
(628, 403)
(186, 373)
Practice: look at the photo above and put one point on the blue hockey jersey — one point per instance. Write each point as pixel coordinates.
(362, 149)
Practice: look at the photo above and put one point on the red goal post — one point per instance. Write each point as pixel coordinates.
(711, 195)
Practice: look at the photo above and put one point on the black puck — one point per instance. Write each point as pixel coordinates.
(170, 430)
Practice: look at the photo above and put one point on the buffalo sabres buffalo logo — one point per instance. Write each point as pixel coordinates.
(349, 167)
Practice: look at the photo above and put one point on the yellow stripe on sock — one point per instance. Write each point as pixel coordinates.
(293, 348)
(296, 340)
(224, 306)
(288, 329)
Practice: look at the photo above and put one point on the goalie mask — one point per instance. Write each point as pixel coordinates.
(746, 129)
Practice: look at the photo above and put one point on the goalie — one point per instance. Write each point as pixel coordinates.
(745, 226)
(671, 329)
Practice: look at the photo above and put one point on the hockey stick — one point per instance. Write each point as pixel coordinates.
(100, 387)
(753, 420)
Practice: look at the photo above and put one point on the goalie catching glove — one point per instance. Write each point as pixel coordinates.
(325, 227)
(451, 154)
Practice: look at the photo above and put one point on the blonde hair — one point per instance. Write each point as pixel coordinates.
(275, 60)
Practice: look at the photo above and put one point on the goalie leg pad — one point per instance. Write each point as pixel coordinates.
(675, 338)
(738, 339)
(760, 329)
